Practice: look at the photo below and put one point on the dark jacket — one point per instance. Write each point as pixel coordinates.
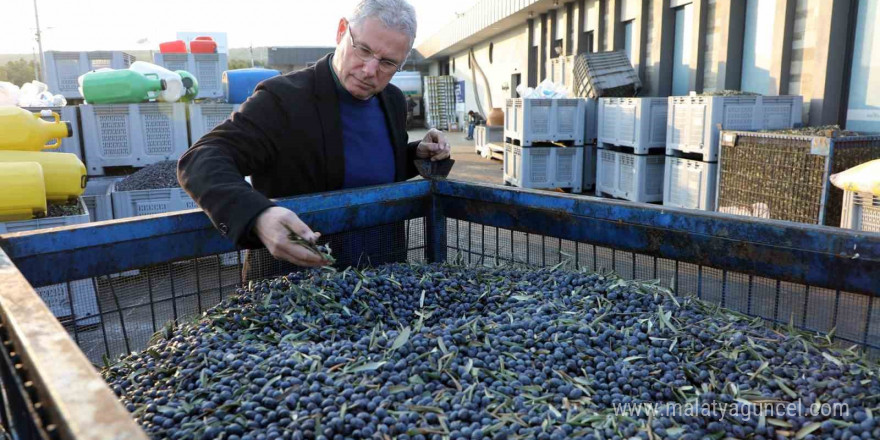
(288, 137)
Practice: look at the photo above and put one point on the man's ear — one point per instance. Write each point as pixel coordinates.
(340, 30)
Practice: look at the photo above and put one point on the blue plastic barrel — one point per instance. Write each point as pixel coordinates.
(240, 83)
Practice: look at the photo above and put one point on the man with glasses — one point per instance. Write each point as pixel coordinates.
(336, 125)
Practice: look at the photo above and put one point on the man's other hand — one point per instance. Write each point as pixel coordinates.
(434, 146)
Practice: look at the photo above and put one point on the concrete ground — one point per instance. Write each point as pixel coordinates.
(469, 166)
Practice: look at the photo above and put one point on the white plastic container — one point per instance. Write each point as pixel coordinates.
(63, 68)
(149, 201)
(861, 211)
(605, 74)
(97, 198)
(173, 83)
(204, 117)
(134, 135)
(544, 167)
(527, 121)
(694, 120)
(206, 67)
(637, 123)
(158, 201)
(58, 297)
(486, 135)
(631, 177)
(70, 114)
(690, 184)
(45, 222)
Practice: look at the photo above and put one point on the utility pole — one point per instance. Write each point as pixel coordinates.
(42, 70)
(36, 64)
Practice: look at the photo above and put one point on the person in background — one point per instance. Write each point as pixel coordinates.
(338, 124)
(474, 119)
(410, 114)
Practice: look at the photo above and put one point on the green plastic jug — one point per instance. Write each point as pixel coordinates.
(121, 87)
(190, 85)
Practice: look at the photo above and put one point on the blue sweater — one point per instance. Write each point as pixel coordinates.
(369, 156)
(369, 160)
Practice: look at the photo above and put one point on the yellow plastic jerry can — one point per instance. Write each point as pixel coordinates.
(24, 193)
(22, 130)
(63, 173)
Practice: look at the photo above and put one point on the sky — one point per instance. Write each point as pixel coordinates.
(121, 24)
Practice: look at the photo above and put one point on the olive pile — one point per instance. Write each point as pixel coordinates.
(444, 351)
(154, 176)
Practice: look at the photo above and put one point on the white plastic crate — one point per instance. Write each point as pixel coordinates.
(528, 121)
(58, 296)
(97, 198)
(149, 201)
(690, 184)
(133, 135)
(208, 69)
(861, 211)
(605, 74)
(629, 176)
(588, 182)
(63, 68)
(158, 201)
(486, 135)
(45, 222)
(70, 114)
(637, 123)
(694, 120)
(544, 167)
(204, 117)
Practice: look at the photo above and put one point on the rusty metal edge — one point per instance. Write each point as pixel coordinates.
(77, 399)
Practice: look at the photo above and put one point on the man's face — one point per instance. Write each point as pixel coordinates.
(361, 74)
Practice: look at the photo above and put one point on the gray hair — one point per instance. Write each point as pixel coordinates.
(397, 15)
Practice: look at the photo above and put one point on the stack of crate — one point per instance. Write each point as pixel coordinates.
(631, 142)
(440, 101)
(692, 139)
(544, 143)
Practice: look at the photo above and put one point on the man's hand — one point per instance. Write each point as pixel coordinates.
(433, 146)
(273, 227)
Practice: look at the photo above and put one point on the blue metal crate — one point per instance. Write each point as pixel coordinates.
(813, 277)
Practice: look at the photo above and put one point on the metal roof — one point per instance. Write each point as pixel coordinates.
(485, 19)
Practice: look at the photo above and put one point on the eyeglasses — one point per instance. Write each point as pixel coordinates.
(365, 54)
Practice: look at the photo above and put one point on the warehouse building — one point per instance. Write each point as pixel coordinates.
(824, 50)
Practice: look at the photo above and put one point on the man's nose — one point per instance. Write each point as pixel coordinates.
(371, 67)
